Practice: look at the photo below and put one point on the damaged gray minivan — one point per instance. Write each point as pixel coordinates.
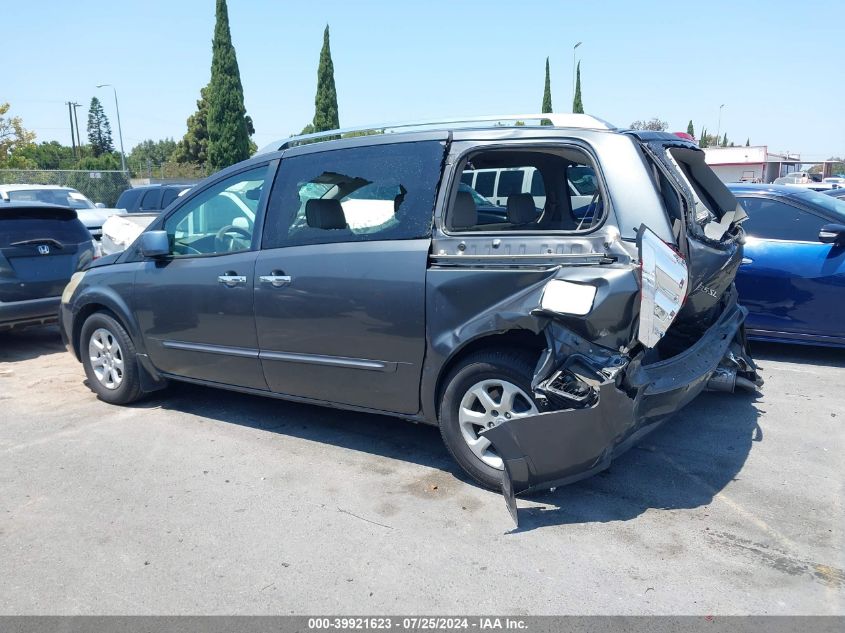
(544, 336)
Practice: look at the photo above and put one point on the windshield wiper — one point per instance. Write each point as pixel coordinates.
(39, 240)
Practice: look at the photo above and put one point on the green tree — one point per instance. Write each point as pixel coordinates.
(690, 129)
(99, 129)
(193, 148)
(748, 142)
(151, 152)
(48, 155)
(725, 140)
(13, 135)
(326, 115)
(703, 141)
(228, 129)
(547, 96)
(654, 125)
(577, 104)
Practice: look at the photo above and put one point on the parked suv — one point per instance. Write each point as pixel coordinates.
(41, 246)
(150, 198)
(355, 273)
(92, 215)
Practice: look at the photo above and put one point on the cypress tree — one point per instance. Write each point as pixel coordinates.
(690, 129)
(547, 96)
(99, 129)
(193, 148)
(577, 105)
(702, 142)
(325, 102)
(748, 142)
(228, 134)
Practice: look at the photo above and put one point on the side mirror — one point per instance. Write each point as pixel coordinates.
(832, 234)
(99, 205)
(155, 244)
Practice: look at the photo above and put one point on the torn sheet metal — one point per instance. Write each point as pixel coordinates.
(627, 400)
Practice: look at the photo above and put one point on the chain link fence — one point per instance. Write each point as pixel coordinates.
(99, 186)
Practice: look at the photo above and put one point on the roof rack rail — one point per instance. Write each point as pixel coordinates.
(584, 121)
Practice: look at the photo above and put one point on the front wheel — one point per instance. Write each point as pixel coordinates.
(108, 356)
(487, 389)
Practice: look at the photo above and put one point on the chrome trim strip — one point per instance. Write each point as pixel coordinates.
(332, 361)
(242, 352)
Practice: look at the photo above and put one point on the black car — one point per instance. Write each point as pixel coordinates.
(41, 247)
(150, 198)
(359, 273)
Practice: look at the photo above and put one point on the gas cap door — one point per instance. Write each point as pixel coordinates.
(665, 281)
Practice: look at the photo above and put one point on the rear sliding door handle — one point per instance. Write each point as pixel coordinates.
(230, 280)
(277, 281)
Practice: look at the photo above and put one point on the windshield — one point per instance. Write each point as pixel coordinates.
(828, 203)
(64, 197)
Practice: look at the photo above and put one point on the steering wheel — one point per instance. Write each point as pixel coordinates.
(220, 239)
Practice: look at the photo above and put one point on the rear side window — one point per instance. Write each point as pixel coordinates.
(485, 183)
(380, 192)
(150, 200)
(510, 182)
(776, 220)
(538, 190)
(168, 196)
(128, 199)
(20, 227)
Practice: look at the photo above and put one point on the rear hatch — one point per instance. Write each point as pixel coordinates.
(705, 218)
(40, 248)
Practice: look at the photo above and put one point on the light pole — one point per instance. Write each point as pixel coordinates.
(573, 72)
(119, 129)
(719, 126)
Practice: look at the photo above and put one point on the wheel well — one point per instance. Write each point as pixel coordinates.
(81, 317)
(510, 340)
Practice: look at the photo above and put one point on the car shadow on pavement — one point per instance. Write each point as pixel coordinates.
(29, 343)
(801, 354)
(681, 465)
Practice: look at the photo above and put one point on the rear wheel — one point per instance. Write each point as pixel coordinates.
(108, 356)
(485, 390)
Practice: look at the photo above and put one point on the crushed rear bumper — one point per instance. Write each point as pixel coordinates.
(560, 447)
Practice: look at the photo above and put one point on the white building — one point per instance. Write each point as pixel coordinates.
(749, 164)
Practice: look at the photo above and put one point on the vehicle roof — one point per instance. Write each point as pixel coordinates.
(23, 187)
(32, 205)
(481, 127)
(153, 185)
(754, 187)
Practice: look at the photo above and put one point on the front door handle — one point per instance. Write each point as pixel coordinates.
(230, 280)
(276, 279)
(747, 260)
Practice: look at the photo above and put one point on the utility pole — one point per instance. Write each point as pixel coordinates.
(70, 118)
(574, 48)
(75, 120)
(119, 129)
(719, 126)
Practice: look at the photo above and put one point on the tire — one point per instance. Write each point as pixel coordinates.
(108, 356)
(462, 412)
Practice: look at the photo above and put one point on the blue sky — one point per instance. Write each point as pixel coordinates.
(775, 64)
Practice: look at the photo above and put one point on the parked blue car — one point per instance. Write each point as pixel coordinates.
(792, 277)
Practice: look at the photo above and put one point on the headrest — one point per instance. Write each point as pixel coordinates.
(464, 214)
(325, 214)
(521, 209)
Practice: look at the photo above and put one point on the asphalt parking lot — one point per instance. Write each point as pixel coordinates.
(202, 501)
